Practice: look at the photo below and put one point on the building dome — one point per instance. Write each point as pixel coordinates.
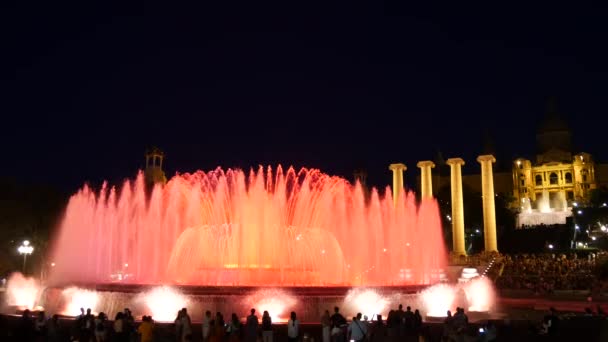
(553, 137)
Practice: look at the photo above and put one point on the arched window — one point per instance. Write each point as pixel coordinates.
(568, 177)
(553, 178)
(584, 173)
(539, 180)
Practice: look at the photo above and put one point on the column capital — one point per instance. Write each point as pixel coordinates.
(425, 163)
(397, 167)
(455, 161)
(486, 158)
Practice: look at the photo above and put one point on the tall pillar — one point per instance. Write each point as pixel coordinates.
(457, 205)
(426, 181)
(487, 195)
(397, 169)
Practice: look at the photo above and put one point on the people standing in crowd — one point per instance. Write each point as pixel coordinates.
(326, 326)
(378, 331)
(40, 326)
(178, 326)
(217, 328)
(357, 331)
(338, 323)
(146, 329)
(266, 327)
(293, 328)
(251, 327)
(53, 329)
(119, 324)
(186, 326)
(417, 323)
(234, 329)
(100, 327)
(25, 327)
(206, 325)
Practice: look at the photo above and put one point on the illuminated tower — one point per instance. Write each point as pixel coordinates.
(153, 172)
(397, 169)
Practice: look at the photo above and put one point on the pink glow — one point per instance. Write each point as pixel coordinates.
(77, 298)
(438, 299)
(480, 294)
(22, 291)
(278, 303)
(366, 301)
(266, 228)
(163, 303)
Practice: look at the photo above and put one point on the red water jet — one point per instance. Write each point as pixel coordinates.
(268, 228)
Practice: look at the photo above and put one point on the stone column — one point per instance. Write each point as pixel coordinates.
(426, 181)
(397, 169)
(487, 195)
(457, 205)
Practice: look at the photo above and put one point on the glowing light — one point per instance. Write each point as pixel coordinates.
(368, 302)
(77, 298)
(575, 204)
(126, 265)
(278, 303)
(550, 246)
(603, 204)
(22, 291)
(580, 212)
(438, 299)
(593, 238)
(52, 264)
(476, 230)
(518, 162)
(384, 250)
(480, 294)
(603, 228)
(163, 303)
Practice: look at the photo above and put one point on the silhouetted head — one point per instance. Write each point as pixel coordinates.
(449, 313)
(293, 316)
(266, 314)
(400, 307)
(88, 311)
(379, 318)
(336, 309)
(253, 311)
(409, 308)
(359, 315)
(208, 313)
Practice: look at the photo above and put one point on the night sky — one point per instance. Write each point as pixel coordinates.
(85, 89)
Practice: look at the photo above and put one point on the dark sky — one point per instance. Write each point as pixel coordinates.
(85, 89)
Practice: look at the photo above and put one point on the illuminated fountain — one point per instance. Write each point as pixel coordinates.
(267, 228)
(22, 292)
(228, 241)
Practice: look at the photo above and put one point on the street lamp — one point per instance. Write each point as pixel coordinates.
(25, 249)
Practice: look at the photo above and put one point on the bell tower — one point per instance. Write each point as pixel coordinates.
(153, 172)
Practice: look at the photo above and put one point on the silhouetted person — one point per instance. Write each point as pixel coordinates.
(40, 326)
(293, 328)
(101, 327)
(267, 333)
(251, 327)
(326, 326)
(234, 329)
(25, 327)
(53, 329)
(338, 322)
(378, 331)
(206, 325)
